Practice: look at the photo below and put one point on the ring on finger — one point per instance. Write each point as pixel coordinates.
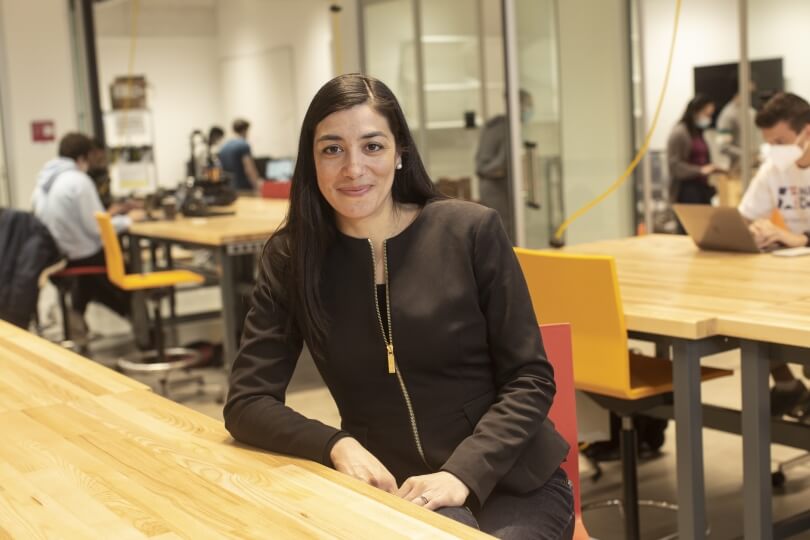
(424, 499)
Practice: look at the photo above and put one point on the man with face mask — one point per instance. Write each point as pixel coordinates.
(492, 157)
(783, 184)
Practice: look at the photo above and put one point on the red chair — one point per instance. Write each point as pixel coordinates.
(557, 342)
(64, 281)
(276, 190)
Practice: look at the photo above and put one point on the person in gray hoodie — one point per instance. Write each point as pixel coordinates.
(65, 200)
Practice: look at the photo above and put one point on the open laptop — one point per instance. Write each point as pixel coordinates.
(718, 228)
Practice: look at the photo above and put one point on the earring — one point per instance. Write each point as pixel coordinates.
(399, 165)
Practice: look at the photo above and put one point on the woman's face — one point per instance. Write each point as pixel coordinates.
(355, 159)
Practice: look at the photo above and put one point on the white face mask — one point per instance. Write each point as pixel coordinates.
(783, 156)
(702, 122)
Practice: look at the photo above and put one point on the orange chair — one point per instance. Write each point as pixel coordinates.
(557, 342)
(583, 290)
(157, 286)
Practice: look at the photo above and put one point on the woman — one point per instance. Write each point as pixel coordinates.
(419, 321)
(688, 154)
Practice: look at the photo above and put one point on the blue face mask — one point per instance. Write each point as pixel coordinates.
(526, 115)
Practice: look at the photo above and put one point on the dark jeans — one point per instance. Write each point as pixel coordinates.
(98, 288)
(546, 513)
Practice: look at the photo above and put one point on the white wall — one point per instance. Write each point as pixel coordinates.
(707, 35)
(250, 28)
(38, 84)
(595, 115)
(184, 94)
(778, 28)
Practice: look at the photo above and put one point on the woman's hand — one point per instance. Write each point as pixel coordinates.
(435, 490)
(349, 457)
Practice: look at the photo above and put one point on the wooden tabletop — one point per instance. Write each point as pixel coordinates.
(254, 219)
(80, 462)
(670, 287)
(37, 373)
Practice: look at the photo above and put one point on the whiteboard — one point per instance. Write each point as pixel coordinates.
(260, 87)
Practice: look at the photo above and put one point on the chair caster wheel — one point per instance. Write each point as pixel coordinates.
(778, 479)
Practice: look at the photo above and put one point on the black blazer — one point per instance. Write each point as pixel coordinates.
(467, 345)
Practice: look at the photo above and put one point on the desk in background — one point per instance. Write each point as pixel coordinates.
(229, 237)
(695, 300)
(89, 453)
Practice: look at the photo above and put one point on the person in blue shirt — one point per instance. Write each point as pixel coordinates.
(237, 160)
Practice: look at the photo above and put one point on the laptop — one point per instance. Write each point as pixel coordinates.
(717, 228)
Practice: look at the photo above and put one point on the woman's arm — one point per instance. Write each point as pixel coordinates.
(522, 372)
(678, 148)
(255, 412)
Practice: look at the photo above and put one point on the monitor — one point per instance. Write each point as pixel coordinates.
(279, 169)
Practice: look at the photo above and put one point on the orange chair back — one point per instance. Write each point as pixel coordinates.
(112, 249)
(778, 220)
(557, 342)
(583, 290)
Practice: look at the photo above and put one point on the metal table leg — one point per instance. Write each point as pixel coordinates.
(229, 302)
(756, 434)
(689, 439)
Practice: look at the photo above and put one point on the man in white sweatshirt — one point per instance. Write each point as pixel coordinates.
(66, 200)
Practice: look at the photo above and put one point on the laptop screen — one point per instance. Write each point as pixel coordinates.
(279, 169)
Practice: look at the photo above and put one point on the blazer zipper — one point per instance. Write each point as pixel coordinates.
(389, 345)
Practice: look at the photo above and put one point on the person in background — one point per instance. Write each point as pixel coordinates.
(65, 200)
(492, 159)
(214, 142)
(419, 320)
(782, 184)
(688, 155)
(236, 159)
(730, 132)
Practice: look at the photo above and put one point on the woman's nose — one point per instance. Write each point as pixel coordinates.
(353, 167)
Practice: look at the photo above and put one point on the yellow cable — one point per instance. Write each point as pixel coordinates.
(644, 147)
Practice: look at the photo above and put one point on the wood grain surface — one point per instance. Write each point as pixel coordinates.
(87, 454)
(670, 287)
(255, 219)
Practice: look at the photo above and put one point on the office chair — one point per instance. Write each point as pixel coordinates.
(583, 290)
(157, 286)
(557, 342)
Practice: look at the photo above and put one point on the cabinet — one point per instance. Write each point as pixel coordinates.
(130, 138)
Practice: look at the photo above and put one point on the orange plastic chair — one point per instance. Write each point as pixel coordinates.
(557, 342)
(157, 285)
(777, 219)
(583, 290)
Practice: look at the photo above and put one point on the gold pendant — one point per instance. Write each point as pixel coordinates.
(392, 367)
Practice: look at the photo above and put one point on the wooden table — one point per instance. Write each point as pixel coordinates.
(229, 237)
(95, 456)
(697, 299)
(36, 373)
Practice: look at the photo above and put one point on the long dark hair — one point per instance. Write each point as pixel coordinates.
(300, 245)
(692, 108)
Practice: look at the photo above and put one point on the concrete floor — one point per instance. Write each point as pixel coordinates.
(657, 478)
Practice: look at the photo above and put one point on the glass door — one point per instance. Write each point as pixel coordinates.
(533, 99)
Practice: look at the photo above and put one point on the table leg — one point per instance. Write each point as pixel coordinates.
(689, 440)
(756, 434)
(228, 288)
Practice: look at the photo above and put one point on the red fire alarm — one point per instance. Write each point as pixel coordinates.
(43, 131)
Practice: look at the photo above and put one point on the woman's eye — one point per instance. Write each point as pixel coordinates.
(331, 149)
(374, 147)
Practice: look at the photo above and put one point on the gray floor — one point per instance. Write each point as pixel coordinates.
(657, 478)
